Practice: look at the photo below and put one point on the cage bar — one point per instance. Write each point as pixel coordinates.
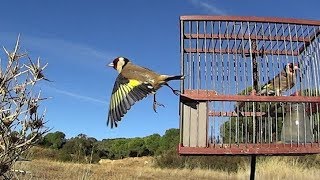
(251, 85)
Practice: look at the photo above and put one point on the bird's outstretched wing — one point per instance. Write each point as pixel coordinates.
(124, 94)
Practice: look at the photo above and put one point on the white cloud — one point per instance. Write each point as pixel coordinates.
(59, 50)
(78, 96)
(65, 48)
(208, 7)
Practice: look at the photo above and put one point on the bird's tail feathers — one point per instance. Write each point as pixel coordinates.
(178, 77)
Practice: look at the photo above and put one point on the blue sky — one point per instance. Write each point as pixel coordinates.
(78, 38)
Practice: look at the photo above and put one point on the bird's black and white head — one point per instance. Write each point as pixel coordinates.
(291, 68)
(118, 63)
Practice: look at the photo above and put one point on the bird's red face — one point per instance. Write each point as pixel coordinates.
(114, 63)
(292, 67)
(118, 63)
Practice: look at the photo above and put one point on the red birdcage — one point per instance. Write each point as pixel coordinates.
(241, 94)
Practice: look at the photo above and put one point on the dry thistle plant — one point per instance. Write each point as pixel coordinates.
(21, 123)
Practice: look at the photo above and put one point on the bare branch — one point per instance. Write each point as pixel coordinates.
(21, 124)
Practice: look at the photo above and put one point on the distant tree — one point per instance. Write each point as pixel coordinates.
(137, 148)
(103, 148)
(152, 143)
(92, 139)
(169, 140)
(119, 148)
(81, 147)
(21, 119)
(81, 136)
(54, 140)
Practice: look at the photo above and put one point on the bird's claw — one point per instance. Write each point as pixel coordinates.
(155, 104)
(176, 92)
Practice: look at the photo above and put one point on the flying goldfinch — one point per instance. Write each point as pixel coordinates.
(133, 84)
(285, 80)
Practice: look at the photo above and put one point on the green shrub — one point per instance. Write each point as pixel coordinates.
(171, 159)
(42, 153)
(64, 156)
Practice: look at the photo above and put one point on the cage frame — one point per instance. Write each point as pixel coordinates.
(199, 98)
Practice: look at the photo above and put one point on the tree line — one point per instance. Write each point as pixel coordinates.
(84, 149)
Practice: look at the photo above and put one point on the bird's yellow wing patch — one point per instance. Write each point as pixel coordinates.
(267, 86)
(122, 91)
(134, 83)
(125, 93)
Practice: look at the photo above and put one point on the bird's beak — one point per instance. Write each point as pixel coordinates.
(110, 65)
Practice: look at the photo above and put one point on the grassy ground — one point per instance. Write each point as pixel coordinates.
(143, 168)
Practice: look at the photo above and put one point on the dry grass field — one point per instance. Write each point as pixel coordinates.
(143, 168)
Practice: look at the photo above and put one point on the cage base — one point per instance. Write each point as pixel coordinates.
(252, 149)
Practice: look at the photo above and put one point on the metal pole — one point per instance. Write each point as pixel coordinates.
(182, 63)
(255, 87)
(253, 167)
